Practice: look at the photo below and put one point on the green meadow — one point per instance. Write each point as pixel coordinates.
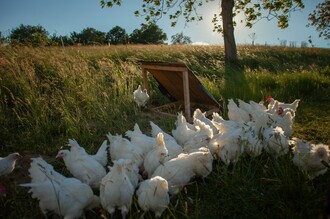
(48, 95)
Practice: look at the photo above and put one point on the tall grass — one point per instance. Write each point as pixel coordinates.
(48, 95)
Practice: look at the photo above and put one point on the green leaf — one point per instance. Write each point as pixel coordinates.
(157, 2)
(248, 24)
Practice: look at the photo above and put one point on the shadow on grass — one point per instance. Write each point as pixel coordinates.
(236, 84)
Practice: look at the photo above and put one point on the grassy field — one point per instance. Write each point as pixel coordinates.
(48, 95)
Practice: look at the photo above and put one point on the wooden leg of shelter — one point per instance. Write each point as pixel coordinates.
(145, 79)
(145, 83)
(186, 95)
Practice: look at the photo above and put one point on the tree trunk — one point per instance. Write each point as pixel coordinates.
(228, 30)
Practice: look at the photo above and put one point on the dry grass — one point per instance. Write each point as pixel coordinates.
(48, 95)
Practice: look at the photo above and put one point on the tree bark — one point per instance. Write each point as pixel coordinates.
(228, 30)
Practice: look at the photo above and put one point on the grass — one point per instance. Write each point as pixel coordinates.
(48, 95)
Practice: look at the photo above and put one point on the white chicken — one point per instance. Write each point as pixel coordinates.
(180, 170)
(177, 171)
(272, 103)
(258, 106)
(182, 133)
(237, 114)
(174, 149)
(267, 119)
(132, 171)
(101, 155)
(203, 162)
(146, 143)
(314, 159)
(157, 156)
(83, 167)
(202, 117)
(249, 137)
(7, 164)
(117, 190)
(67, 197)
(155, 129)
(294, 105)
(223, 125)
(277, 110)
(153, 195)
(229, 141)
(122, 148)
(251, 140)
(253, 109)
(275, 142)
(285, 121)
(140, 96)
(200, 139)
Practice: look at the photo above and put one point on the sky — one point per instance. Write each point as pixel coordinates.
(61, 17)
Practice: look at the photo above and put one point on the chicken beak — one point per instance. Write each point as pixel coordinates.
(155, 191)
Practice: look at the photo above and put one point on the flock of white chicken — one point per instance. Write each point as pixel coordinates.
(157, 166)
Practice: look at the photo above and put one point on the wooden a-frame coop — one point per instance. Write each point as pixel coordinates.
(178, 81)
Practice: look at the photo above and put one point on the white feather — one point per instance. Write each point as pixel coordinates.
(122, 148)
(174, 149)
(67, 197)
(7, 164)
(157, 156)
(182, 133)
(153, 195)
(101, 155)
(180, 170)
(140, 96)
(311, 158)
(117, 190)
(145, 142)
(83, 167)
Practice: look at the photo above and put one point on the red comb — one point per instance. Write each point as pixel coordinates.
(2, 190)
(268, 98)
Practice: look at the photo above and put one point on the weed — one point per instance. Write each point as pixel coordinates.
(48, 95)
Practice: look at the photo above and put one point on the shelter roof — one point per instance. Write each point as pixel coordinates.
(171, 80)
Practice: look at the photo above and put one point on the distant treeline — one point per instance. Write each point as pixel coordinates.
(35, 36)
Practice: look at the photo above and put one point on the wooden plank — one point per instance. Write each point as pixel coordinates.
(145, 79)
(164, 68)
(186, 94)
(171, 81)
(173, 64)
(167, 106)
(146, 85)
(181, 84)
(166, 114)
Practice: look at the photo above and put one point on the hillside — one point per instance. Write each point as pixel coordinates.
(49, 95)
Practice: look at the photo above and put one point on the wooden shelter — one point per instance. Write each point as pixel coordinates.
(178, 81)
